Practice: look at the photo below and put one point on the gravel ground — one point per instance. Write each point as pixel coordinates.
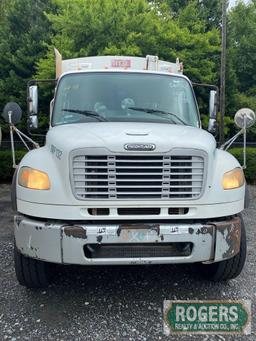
(109, 303)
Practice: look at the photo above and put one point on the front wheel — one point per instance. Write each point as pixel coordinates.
(229, 268)
(31, 273)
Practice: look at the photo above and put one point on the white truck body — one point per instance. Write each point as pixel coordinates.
(118, 218)
(150, 63)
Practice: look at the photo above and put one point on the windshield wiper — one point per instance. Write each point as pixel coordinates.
(156, 111)
(89, 113)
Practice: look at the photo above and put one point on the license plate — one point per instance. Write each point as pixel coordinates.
(139, 234)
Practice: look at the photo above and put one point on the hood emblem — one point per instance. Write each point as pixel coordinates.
(141, 147)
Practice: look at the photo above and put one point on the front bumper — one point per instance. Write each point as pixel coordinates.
(156, 243)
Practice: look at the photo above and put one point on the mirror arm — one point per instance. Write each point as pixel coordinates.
(227, 144)
(12, 141)
(245, 136)
(210, 86)
(205, 85)
(26, 137)
(22, 137)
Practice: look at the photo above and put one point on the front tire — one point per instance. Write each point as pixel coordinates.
(229, 268)
(31, 273)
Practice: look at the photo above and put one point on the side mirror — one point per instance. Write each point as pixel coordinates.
(213, 104)
(245, 118)
(33, 100)
(213, 107)
(32, 122)
(12, 113)
(51, 107)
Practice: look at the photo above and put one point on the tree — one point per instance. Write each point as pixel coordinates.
(4, 5)
(241, 59)
(209, 11)
(86, 27)
(242, 45)
(22, 42)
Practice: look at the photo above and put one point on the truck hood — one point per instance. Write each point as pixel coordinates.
(114, 135)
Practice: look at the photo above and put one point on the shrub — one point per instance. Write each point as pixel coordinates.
(250, 171)
(6, 169)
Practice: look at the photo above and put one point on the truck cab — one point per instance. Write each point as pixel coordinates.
(127, 175)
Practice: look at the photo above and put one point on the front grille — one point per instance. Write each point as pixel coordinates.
(138, 250)
(137, 177)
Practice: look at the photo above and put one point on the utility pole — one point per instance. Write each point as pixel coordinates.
(223, 68)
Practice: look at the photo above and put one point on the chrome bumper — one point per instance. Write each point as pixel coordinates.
(91, 244)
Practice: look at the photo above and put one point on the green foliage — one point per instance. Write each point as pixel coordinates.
(4, 4)
(188, 29)
(228, 123)
(205, 121)
(208, 11)
(241, 60)
(138, 28)
(22, 42)
(242, 44)
(6, 169)
(127, 27)
(248, 101)
(250, 171)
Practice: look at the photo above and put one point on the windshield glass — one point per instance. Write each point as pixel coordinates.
(124, 97)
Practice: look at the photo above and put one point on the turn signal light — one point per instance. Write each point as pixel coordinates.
(33, 179)
(233, 179)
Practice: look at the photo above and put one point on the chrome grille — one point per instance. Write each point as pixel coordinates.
(137, 177)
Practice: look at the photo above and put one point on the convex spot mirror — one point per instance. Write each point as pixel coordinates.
(33, 100)
(245, 118)
(12, 111)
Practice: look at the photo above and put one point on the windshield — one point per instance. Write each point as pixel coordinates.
(124, 97)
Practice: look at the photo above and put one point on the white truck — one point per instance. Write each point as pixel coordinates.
(127, 174)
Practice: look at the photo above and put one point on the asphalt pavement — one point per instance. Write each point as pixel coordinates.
(110, 303)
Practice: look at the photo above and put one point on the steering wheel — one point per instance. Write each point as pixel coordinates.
(127, 102)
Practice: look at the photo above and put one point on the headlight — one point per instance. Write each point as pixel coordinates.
(233, 179)
(33, 179)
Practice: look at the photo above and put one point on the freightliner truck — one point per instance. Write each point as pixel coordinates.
(127, 175)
